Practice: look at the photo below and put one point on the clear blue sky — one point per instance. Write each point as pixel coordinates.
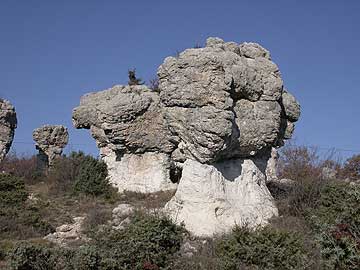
(52, 52)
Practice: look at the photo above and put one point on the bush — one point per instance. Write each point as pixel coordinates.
(351, 168)
(12, 191)
(31, 257)
(336, 222)
(24, 167)
(148, 240)
(299, 163)
(147, 243)
(80, 174)
(18, 219)
(264, 248)
(92, 177)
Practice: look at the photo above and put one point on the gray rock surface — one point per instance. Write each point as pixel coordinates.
(121, 216)
(225, 101)
(50, 141)
(125, 119)
(68, 234)
(221, 106)
(8, 124)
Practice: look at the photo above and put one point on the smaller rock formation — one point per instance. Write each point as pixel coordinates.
(271, 167)
(121, 216)
(50, 142)
(8, 123)
(68, 233)
(328, 173)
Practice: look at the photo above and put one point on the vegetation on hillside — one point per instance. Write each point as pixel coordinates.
(318, 226)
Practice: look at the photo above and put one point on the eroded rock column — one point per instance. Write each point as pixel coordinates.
(8, 124)
(50, 142)
(211, 127)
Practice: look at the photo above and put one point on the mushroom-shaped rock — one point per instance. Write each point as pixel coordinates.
(211, 127)
(130, 129)
(222, 101)
(8, 123)
(50, 142)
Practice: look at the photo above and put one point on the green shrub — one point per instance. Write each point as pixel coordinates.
(12, 191)
(264, 248)
(80, 174)
(87, 258)
(147, 244)
(92, 177)
(18, 218)
(31, 257)
(336, 222)
(148, 240)
(351, 168)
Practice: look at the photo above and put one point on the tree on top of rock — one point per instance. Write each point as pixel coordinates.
(133, 80)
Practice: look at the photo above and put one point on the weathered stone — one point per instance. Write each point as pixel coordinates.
(125, 119)
(258, 124)
(222, 101)
(218, 112)
(291, 106)
(214, 198)
(69, 233)
(271, 167)
(122, 210)
(8, 124)
(146, 173)
(204, 131)
(121, 216)
(328, 173)
(50, 141)
(289, 130)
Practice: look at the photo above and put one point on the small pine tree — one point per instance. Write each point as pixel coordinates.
(132, 78)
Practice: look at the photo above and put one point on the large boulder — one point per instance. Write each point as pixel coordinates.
(214, 198)
(8, 123)
(50, 142)
(225, 101)
(213, 126)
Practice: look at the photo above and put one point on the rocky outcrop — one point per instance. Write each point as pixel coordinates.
(68, 234)
(8, 123)
(219, 112)
(121, 216)
(50, 142)
(129, 128)
(214, 198)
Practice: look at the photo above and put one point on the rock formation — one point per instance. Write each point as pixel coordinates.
(8, 123)
(50, 141)
(68, 234)
(209, 132)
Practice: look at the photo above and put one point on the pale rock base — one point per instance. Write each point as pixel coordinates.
(212, 199)
(145, 173)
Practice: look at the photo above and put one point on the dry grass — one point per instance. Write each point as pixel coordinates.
(147, 200)
(25, 167)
